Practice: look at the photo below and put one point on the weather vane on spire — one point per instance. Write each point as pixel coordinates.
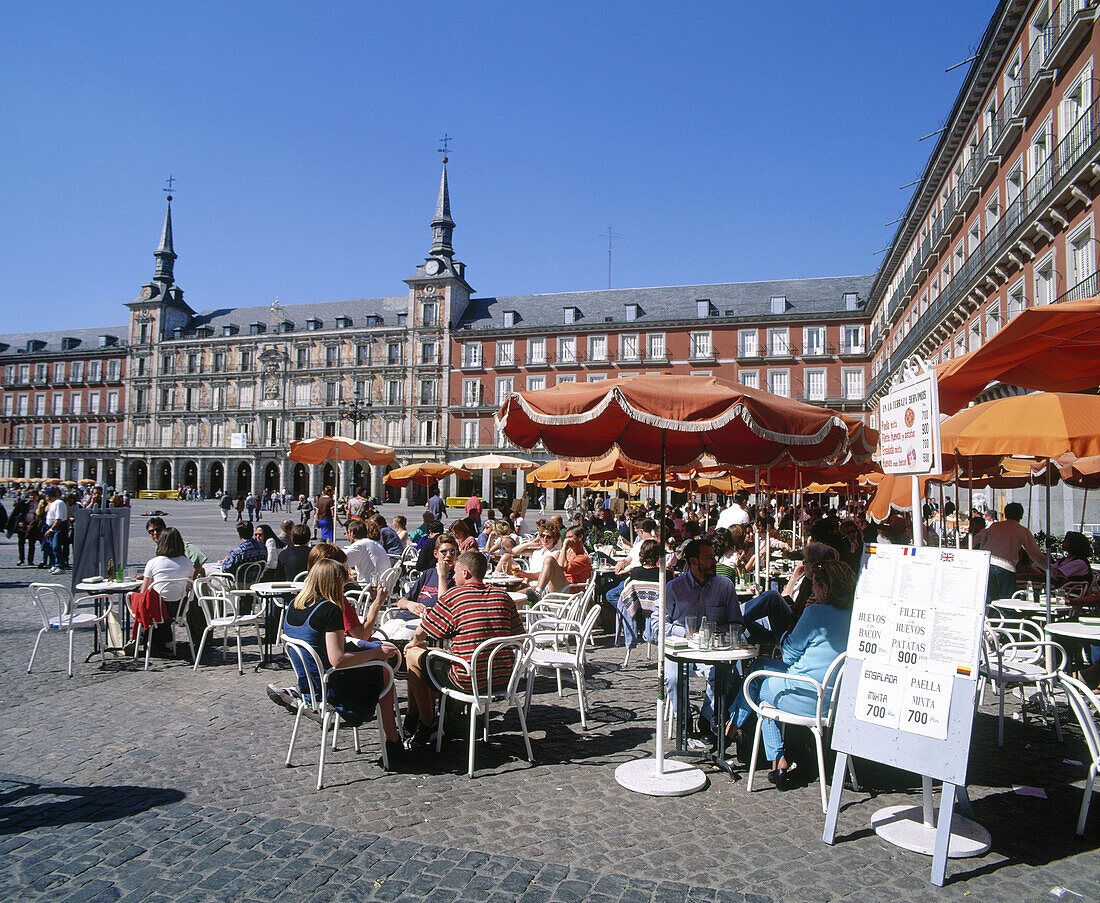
(170, 180)
(445, 141)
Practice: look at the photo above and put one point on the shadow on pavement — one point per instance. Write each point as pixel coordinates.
(25, 805)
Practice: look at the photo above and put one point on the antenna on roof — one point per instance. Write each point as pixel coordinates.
(610, 236)
(445, 142)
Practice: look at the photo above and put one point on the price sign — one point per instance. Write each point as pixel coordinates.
(909, 427)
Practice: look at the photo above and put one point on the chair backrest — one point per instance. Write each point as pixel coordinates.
(211, 594)
(249, 573)
(388, 580)
(485, 656)
(647, 593)
(310, 669)
(1074, 589)
(1086, 708)
(50, 597)
(830, 683)
(301, 578)
(1015, 629)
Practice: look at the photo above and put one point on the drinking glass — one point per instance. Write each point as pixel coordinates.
(691, 626)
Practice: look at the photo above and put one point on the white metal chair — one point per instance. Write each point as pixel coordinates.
(1086, 707)
(219, 605)
(481, 696)
(307, 663)
(645, 595)
(827, 690)
(167, 588)
(547, 636)
(301, 577)
(1019, 663)
(72, 615)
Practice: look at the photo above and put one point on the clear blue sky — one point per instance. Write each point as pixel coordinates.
(722, 141)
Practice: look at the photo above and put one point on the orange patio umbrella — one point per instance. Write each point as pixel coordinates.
(425, 473)
(338, 448)
(1042, 425)
(1054, 348)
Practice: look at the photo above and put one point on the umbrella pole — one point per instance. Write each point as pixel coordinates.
(1084, 502)
(662, 582)
(1047, 550)
(767, 531)
(943, 519)
(958, 532)
(969, 503)
(756, 530)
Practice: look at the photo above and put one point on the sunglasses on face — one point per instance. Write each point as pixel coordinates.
(448, 551)
(153, 532)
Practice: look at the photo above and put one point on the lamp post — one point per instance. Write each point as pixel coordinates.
(356, 410)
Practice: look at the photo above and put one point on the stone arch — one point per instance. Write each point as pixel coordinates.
(272, 476)
(190, 474)
(139, 477)
(162, 475)
(243, 478)
(216, 482)
(299, 480)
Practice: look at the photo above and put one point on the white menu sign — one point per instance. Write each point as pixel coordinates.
(916, 626)
(909, 427)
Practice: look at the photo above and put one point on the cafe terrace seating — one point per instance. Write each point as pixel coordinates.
(72, 615)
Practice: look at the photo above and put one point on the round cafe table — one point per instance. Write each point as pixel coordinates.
(272, 593)
(1027, 607)
(99, 587)
(1074, 635)
(723, 661)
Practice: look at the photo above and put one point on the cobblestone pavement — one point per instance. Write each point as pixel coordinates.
(169, 784)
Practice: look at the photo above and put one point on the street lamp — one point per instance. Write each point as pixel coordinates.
(356, 410)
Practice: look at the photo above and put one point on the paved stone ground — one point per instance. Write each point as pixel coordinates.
(169, 784)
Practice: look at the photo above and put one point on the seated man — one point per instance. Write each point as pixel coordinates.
(697, 593)
(292, 560)
(426, 544)
(646, 532)
(425, 592)
(391, 542)
(250, 549)
(467, 615)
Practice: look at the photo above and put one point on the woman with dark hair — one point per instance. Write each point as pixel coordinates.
(1074, 565)
(165, 573)
(272, 543)
(316, 618)
(820, 635)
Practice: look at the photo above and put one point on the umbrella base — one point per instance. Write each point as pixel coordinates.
(675, 779)
(903, 826)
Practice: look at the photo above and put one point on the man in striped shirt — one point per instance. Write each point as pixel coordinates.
(467, 615)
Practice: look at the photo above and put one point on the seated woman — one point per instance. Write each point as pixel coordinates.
(771, 614)
(274, 546)
(1073, 567)
(646, 570)
(507, 562)
(820, 635)
(571, 564)
(169, 564)
(316, 617)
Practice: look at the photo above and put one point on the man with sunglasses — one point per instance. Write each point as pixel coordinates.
(425, 592)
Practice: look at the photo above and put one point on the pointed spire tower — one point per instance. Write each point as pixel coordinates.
(164, 254)
(440, 279)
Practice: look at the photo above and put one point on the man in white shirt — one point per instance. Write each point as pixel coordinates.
(57, 528)
(735, 514)
(366, 555)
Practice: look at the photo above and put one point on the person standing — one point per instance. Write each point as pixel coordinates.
(305, 509)
(437, 506)
(473, 512)
(735, 514)
(226, 505)
(1004, 539)
(57, 528)
(326, 511)
(240, 507)
(251, 504)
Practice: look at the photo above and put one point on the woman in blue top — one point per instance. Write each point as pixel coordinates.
(316, 617)
(820, 635)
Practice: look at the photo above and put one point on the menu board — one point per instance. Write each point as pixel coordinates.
(910, 679)
(916, 625)
(909, 427)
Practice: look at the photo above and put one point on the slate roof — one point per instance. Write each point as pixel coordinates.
(88, 341)
(675, 302)
(357, 310)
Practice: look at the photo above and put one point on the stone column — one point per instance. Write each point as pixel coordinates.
(486, 487)
(201, 467)
(314, 480)
(257, 476)
(551, 499)
(452, 484)
(521, 482)
(99, 471)
(81, 468)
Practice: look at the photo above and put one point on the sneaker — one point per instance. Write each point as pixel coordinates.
(281, 696)
(55, 570)
(421, 737)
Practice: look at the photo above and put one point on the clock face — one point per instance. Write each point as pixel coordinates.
(148, 292)
(431, 267)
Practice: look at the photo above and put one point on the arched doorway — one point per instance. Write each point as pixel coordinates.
(244, 478)
(328, 476)
(164, 475)
(271, 476)
(139, 477)
(390, 493)
(300, 480)
(191, 475)
(217, 479)
(109, 475)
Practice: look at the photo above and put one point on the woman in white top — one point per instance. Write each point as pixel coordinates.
(166, 573)
(274, 545)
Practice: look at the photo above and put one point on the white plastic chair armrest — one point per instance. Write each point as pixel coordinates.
(798, 678)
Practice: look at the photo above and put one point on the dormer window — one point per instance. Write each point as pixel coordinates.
(35, 345)
(313, 324)
(256, 329)
(343, 322)
(851, 301)
(779, 304)
(229, 330)
(106, 341)
(633, 311)
(177, 333)
(703, 308)
(69, 343)
(402, 320)
(509, 319)
(286, 326)
(374, 320)
(572, 314)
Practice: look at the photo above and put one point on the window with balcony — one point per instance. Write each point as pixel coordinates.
(567, 350)
(992, 213)
(779, 382)
(429, 313)
(853, 385)
(815, 385)
(779, 344)
(248, 396)
(58, 404)
(303, 358)
(505, 386)
(750, 379)
(1082, 254)
(93, 403)
(193, 362)
(1076, 100)
(9, 405)
(246, 361)
(394, 432)
(395, 353)
(1044, 281)
(701, 348)
(471, 354)
(217, 398)
(58, 372)
(597, 348)
(470, 433)
(55, 436)
(426, 432)
(301, 394)
(363, 355)
(114, 370)
(429, 353)
(536, 382)
(1041, 144)
(506, 353)
(39, 405)
(395, 392)
(25, 372)
(1017, 301)
(852, 339)
(1014, 181)
(748, 343)
(428, 391)
(992, 317)
(471, 393)
(655, 346)
(76, 403)
(93, 436)
(567, 378)
(73, 433)
(628, 346)
(332, 356)
(813, 340)
(536, 349)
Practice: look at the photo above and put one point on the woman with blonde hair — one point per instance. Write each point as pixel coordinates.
(316, 617)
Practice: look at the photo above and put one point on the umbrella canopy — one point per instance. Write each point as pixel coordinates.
(609, 467)
(674, 420)
(1043, 425)
(337, 448)
(1081, 472)
(86, 481)
(1055, 348)
(425, 473)
(494, 461)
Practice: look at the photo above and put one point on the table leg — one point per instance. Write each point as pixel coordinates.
(682, 713)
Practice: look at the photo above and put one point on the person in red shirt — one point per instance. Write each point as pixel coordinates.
(467, 615)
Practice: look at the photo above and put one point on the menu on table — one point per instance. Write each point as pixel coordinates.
(916, 626)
